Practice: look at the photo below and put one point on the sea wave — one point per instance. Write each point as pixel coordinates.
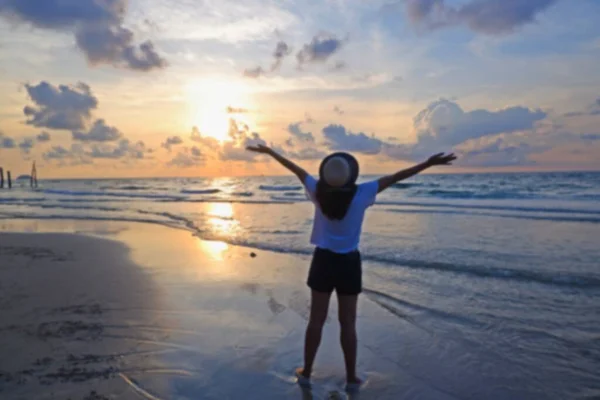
(131, 187)
(109, 194)
(199, 191)
(279, 188)
(496, 207)
(18, 200)
(242, 194)
(556, 218)
(473, 194)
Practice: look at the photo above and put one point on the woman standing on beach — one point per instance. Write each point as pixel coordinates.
(340, 206)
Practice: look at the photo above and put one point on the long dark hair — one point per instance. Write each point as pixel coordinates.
(334, 202)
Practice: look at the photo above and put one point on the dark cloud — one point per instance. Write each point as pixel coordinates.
(188, 157)
(110, 44)
(319, 50)
(172, 141)
(490, 17)
(254, 72)
(7, 142)
(64, 14)
(60, 107)
(99, 132)
(75, 155)
(339, 139)
(339, 66)
(592, 109)
(591, 136)
(125, 149)
(282, 50)
(43, 137)
(98, 28)
(295, 130)
(338, 110)
(26, 145)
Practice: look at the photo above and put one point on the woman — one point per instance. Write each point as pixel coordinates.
(340, 206)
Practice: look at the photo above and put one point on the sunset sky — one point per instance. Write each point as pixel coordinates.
(179, 88)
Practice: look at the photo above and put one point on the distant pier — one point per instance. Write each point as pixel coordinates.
(33, 180)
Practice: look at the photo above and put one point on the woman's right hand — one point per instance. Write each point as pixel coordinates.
(441, 159)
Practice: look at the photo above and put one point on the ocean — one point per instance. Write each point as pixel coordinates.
(504, 266)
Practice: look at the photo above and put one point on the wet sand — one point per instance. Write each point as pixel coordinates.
(129, 311)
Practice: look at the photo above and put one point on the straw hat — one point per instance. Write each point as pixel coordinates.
(339, 169)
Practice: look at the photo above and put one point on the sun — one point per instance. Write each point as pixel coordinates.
(213, 102)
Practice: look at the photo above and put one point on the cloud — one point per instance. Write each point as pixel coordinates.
(97, 25)
(7, 142)
(338, 110)
(234, 110)
(301, 145)
(339, 139)
(319, 50)
(75, 155)
(295, 130)
(489, 17)
(592, 109)
(444, 124)
(79, 154)
(207, 141)
(308, 119)
(499, 153)
(307, 153)
(172, 141)
(26, 145)
(188, 157)
(110, 44)
(60, 107)
(99, 132)
(282, 50)
(339, 66)
(124, 149)
(254, 72)
(43, 137)
(240, 137)
(525, 147)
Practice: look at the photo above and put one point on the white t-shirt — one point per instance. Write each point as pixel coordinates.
(341, 236)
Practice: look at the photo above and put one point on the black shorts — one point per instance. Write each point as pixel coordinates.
(329, 271)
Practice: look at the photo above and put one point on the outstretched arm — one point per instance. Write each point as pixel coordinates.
(298, 171)
(438, 159)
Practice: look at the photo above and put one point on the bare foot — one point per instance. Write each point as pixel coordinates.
(303, 377)
(353, 384)
(301, 372)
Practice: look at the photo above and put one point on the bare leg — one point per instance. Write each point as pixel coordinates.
(347, 317)
(318, 314)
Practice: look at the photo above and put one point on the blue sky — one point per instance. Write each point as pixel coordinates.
(507, 84)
